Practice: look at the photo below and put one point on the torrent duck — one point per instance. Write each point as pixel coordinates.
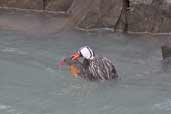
(93, 67)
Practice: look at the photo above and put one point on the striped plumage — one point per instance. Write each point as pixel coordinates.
(100, 68)
(94, 67)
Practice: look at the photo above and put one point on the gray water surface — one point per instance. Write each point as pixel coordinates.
(30, 82)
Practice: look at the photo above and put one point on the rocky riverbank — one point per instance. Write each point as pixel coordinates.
(120, 15)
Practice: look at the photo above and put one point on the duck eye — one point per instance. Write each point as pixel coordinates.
(80, 53)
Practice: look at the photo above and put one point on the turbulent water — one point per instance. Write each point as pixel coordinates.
(31, 83)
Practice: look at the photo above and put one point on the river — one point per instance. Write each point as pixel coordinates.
(31, 83)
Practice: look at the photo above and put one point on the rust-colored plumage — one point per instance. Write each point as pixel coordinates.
(74, 70)
(100, 68)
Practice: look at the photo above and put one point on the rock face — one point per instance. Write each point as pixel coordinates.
(25, 4)
(166, 48)
(126, 15)
(58, 5)
(166, 51)
(166, 54)
(96, 13)
(150, 16)
(52, 5)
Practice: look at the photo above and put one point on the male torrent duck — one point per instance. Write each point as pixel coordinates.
(93, 67)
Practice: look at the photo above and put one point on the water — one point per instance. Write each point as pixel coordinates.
(30, 82)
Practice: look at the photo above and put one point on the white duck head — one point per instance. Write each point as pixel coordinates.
(85, 52)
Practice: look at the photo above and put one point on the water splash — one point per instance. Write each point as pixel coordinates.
(9, 109)
(166, 105)
(13, 50)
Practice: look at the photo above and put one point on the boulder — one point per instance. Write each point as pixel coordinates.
(149, 16)
(95, 13)
(2, 3)
(58, 5)
(166, 51)
(166, 47)
(166, 54)
(126, 15)
(25, 4)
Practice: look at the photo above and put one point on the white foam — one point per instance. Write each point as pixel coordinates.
(19, 113)
(166, 105)
(9, 109)
(59, 94)
(3, 107)
(50, 70)
(13, 50)
(76, 86)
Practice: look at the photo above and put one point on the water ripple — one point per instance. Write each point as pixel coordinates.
(13, 50)
(166, 105)
(9, 109)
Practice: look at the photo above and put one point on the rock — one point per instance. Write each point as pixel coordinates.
(25, 4)
(150, 16)
(96, 13)
(2, 3)
(165, 47)
(58, 5)
(166, 54)
(143, 15)
(52, 5)
(166, 51)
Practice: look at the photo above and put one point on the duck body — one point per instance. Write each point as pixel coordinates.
(93, 67)
(99, 68)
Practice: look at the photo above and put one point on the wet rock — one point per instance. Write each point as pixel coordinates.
(25, 4)
(166, 51)
(58, 5)
(150, 16)
(96, 13)
(2, 3)
(166, 54)
(166, 47)
(142, 16)
(52, 5)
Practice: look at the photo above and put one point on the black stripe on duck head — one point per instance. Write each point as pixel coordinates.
(86, 52)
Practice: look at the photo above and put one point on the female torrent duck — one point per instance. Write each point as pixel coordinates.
(94, 67)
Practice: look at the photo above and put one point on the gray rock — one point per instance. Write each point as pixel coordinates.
(58, 5)
(96, 13)
(149, 16)
(25, 4)
(143, 15)
(166, 51)
(2, 3)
